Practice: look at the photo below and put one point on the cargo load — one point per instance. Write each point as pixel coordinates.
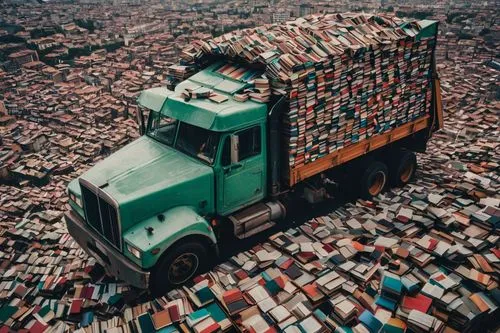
(347, 77)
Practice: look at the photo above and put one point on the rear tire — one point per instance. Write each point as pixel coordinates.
(403, 168)
(373, 180)
(177, 265)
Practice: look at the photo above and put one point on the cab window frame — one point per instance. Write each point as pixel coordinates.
(256, 150)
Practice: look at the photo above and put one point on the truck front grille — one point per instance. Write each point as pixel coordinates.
(101, 214)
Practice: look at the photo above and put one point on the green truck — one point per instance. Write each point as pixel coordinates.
(152, 212)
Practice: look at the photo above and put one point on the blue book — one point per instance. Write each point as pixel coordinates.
(370, 321)
(87, 319)
(216, 312)
(168, 329)
(197, 316)
(146, 323)
(392, 283)
(385, 303)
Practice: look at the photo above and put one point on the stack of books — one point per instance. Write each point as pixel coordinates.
(391, 287)
(179, 72)
(347, 77)
(234, 301)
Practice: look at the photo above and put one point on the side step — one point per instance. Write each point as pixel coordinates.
(256, 218)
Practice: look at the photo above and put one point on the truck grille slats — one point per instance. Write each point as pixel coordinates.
(101, 215)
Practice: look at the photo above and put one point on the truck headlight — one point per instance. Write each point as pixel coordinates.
(75, 199)
(134, 251)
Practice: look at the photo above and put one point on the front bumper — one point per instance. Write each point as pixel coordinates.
(113, 261)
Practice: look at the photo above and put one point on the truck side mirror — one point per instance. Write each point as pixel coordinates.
(235, 148)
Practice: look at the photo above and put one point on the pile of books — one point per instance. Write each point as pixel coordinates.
(391, 264)
(180, 72)
(347, 77)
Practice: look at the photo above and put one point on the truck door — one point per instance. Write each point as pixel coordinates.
(242, 177)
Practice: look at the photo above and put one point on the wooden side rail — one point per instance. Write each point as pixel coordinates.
(355, 150)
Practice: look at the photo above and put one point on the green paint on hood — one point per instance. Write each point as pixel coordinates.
(146, 178)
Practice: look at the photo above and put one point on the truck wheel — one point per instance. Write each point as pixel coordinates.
(403, 168)
(373, 180)
(176, 266)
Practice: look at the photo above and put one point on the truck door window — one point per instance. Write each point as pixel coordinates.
(249, 145)
(197, 142)
(249, 142)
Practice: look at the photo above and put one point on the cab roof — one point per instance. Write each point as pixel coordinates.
(202, 112)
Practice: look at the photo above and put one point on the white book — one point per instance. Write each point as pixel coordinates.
(433, 291)
(207, 322)
(360, 328)
(267, 304)
(347, 266)
(257, 323)
(306, 247)
(287, 322)
(345, 306)
(421, 319)
(292, 329)
(258, 293)
(279, 313)
(327, 278)
(333, 285)
(386, 241)
(249, 265)
(311, 325)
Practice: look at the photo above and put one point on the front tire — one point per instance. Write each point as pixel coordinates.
(178, 264)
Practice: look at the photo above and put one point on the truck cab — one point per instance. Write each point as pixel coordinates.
(148, 212)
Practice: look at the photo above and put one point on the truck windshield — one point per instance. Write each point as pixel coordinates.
(191, 140)
(162, 128)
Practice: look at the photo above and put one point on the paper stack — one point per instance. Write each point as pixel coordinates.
(347, 77)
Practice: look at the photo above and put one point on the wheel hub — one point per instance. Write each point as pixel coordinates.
(407, 172)
(182, 268)
(377, 183)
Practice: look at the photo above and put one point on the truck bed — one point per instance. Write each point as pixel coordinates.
(353, 151)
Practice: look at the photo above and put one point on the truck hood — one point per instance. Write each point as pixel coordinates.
(146, 178)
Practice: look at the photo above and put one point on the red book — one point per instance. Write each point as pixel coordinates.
(62, 281)
(328, 248)
(36, 309)
(173, 311)
(198, 279)
(76, 306)
(212, 328)
(420, 302)
(432, 244)
(4, 329)
(270, 330)
(224, 68)
(83, 292)
(241, 274)
(310, 290)
(90, 292)
(37, 327)
(232, 295)
(280, 281)
(307, 255)
(286, 264)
